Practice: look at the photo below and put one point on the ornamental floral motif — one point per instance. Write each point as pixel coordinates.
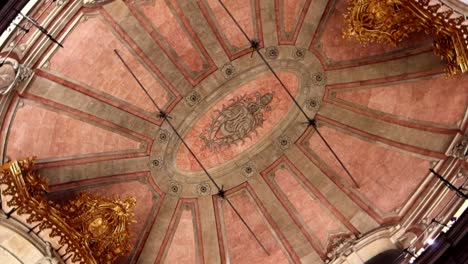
(237, 121)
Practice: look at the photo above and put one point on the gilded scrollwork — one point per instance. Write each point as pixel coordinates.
(91, 228)
(392, 21)
(380, 21)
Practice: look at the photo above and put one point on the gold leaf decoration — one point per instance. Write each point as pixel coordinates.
(92, 229)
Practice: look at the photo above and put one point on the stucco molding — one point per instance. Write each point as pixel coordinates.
(459, 147)
(12, 73)
(362, 248)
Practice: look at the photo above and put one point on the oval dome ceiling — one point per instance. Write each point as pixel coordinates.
(237, 121)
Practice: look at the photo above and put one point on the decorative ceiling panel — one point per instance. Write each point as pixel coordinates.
(58, 135)
(321, 223)
(377, 168)
(290, 16)
(100, 74)
(183, 241)
(246, 13)
(423, 100)
(167, 24)
(239, 245)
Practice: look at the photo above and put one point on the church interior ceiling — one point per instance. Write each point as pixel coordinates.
(389, 113)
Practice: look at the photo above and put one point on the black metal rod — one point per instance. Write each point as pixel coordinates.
(248, 227)
(281, 82)
(449, 185)
(336, 156)
(41, 29)
(8, 215)
(439, 223)
(255, 47)
(235, 21)
(26, 30)
(164, 116)
(24, 34)
(1, 200)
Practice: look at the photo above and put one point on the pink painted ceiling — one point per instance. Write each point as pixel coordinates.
(210, 157)
(388, 112)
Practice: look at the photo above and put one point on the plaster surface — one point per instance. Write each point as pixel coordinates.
(386, 111)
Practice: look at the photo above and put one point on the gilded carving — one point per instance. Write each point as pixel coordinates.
(380, 21)
(394, 20)
(237, 121)
(102, 223)
(91, 229)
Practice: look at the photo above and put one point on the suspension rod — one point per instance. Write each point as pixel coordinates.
(163, 115)
(311, 122)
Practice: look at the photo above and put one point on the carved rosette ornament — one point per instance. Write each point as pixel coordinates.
(90, 229)
(392, 21)
(11, 74)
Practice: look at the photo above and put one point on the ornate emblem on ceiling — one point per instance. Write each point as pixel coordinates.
(11, 74)
(237, 121)
(459, 147)
(319, 78)
(163, 135)
(312, 104)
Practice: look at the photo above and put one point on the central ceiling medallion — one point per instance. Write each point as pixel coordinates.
(237, 121)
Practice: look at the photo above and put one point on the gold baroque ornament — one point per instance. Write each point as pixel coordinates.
(381, 21)
(91, 229)
(391, 21)
(103, 224)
